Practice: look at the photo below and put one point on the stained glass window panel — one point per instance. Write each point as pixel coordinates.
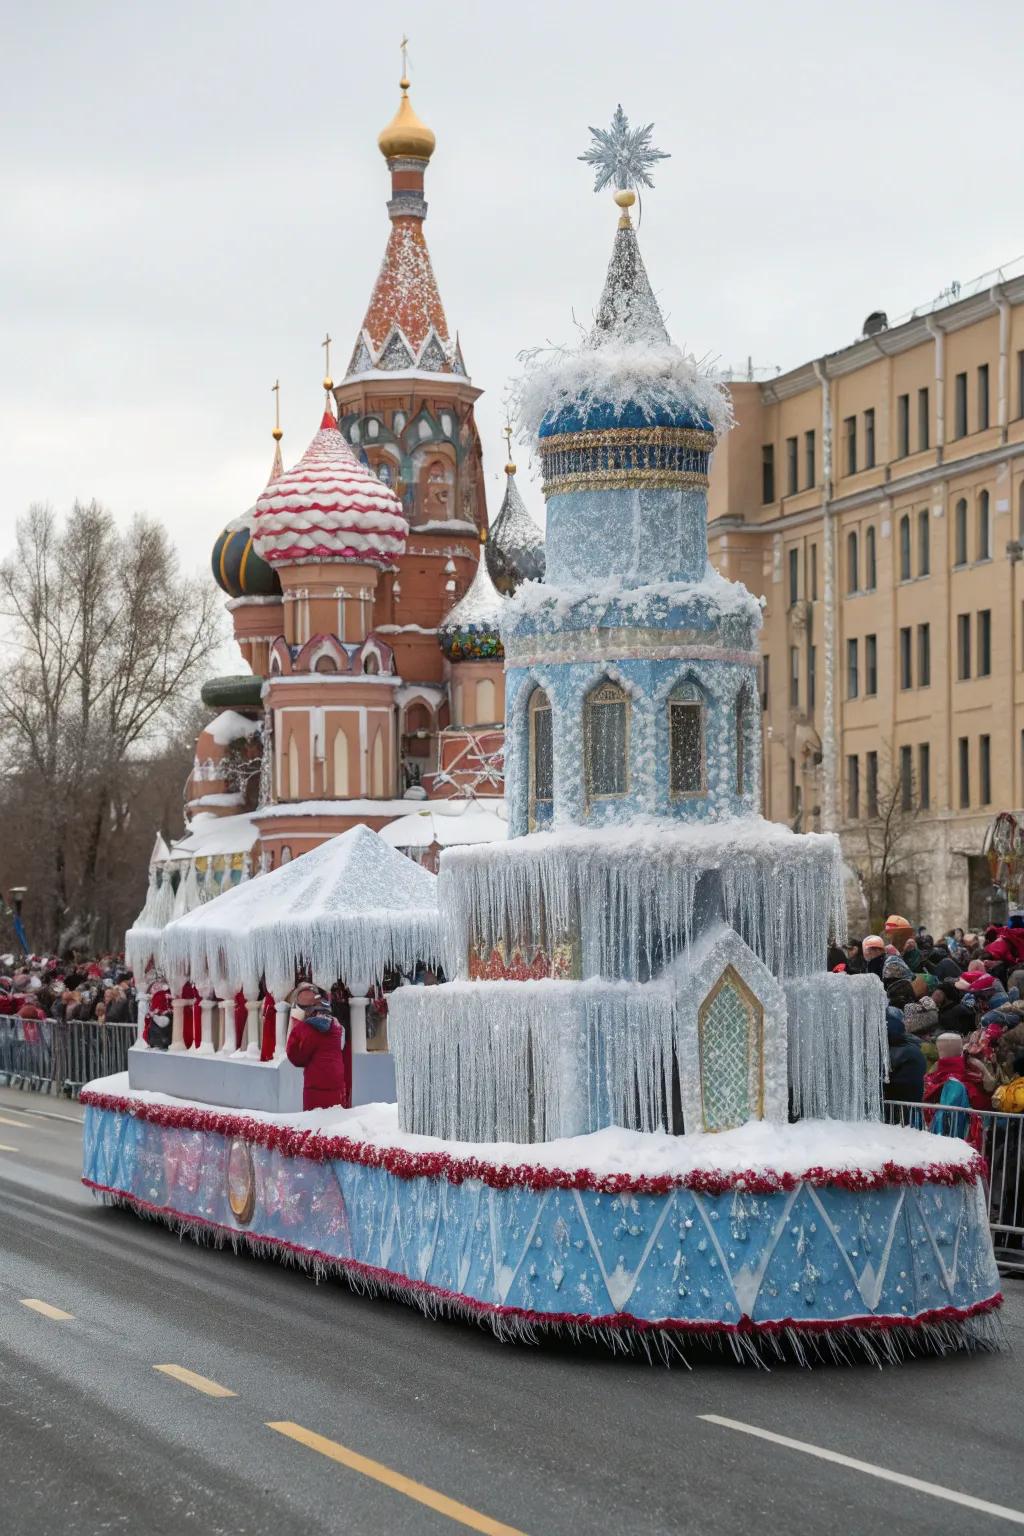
(686, 748)
(730, 1043)
(607, 730)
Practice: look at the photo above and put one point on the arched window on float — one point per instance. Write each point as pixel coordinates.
(606, 741)
(542, 761)
(687, 754)
(730, 1034)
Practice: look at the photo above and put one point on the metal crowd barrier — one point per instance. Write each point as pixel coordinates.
(999, 1138)
(58, 1056)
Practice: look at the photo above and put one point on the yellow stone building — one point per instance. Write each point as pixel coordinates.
(875, 498)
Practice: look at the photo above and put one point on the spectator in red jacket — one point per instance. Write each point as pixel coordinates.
(316, 1043)
(973, 1073)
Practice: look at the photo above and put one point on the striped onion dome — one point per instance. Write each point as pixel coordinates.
(329, 507)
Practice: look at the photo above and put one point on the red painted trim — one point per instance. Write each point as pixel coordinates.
(624, 1320)
(457, 1170)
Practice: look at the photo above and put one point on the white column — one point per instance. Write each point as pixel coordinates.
(225, 1008)
(357, 1023)
(282, 1011)
(207, 1014)
(177, 1023)
(253, 1023)
(142, 1008)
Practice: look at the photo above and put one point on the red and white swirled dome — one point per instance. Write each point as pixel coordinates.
(329, 507)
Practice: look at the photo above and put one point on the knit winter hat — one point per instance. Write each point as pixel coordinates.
(895, 967)
(872, 941)
(975, 981)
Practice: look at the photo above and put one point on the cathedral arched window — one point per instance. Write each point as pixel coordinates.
(542, 762)
(687, 758)
(606, 741)
(371, 664)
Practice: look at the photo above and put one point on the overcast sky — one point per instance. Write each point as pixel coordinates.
(192, 194)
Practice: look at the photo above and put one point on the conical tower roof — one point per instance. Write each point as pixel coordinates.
(471, 631)
(515, 548)
(628, 310)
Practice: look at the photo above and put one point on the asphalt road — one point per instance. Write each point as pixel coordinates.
(338, 1401)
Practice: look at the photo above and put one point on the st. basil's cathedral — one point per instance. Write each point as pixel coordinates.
(365, 589)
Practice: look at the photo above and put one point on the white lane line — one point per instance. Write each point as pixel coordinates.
(22, 1125)
(1000, 1511)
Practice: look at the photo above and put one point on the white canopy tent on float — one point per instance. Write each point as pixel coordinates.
(349, 910)
(448, 824)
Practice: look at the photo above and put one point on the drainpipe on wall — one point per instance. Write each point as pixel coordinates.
(1002, 303)
(940, 382)
(829, 816)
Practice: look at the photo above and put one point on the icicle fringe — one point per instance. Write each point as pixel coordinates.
(838, 1047)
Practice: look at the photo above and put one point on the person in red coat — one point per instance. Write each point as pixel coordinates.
(316, 1043)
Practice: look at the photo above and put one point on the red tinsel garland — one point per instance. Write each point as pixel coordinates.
(404, 1164)
(393, 1280)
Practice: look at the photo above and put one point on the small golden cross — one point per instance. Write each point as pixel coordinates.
(404, 45)
(276, 392)
(326, 344)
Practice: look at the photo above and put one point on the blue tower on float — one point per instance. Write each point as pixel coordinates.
(631, 681)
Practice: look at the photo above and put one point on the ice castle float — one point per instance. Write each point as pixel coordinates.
(640, 1105)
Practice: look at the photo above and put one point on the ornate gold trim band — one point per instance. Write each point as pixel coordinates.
(624, 480)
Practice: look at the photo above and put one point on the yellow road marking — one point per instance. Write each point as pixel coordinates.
(45, 1310)
(193, 1379)
(22, 1125)
(5, 1148)
(470, 1518)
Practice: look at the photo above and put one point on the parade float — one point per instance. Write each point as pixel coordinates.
(639, 1107)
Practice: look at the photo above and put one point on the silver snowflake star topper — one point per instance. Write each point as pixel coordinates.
(622, 155)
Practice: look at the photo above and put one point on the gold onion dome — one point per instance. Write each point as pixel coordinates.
(405, 134)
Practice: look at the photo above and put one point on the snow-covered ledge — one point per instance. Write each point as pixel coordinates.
(236, 1081)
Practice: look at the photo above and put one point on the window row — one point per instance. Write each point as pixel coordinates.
(912, 650)
(607, 711)
(905, 788)
(982, 628)
(914, 543)
(984, 760)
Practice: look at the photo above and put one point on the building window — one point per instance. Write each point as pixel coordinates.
(852, 680)
(542, 758)
(963, 646)
(905, 547)
(792, 466)
(686, 756)
(870, 665)
(850, 437)
(606, 741)
(924, 543)
(1020, 512)
(960, 405)
(923, 420)
(984, 526)
(985, 769)
(869, 439)
(902, 426)
(794, 791)
(794, 575)
(964, 756)
(852, 563)
(810, 466)
(794, 677)
(812, 678)
(870, 561)
(768, 473)
(924, 655)
(906, 673)
(1020, 382)
(960, 533)
(852, 788)
(766, 678)
(983, 398)
(814, 567)
(872, 783)
(924, 776)
(906, 779)
(985, 642)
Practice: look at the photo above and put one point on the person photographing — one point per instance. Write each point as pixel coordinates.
(316, 1043)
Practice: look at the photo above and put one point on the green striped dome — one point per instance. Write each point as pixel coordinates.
(237, 569)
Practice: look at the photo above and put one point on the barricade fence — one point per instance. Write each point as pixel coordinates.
(60, 1056)
(998, 1137)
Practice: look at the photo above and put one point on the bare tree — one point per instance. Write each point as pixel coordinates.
(108, 642)
(888, 834)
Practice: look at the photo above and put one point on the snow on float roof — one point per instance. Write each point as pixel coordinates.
(329, 507)
(350, 909)
(210, 836)
(759, 1147)
(719, 597)
(627, 372)
(230, 726)
(449, 824)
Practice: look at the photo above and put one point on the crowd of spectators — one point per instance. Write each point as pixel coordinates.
(954, 1011)
(37, 987)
